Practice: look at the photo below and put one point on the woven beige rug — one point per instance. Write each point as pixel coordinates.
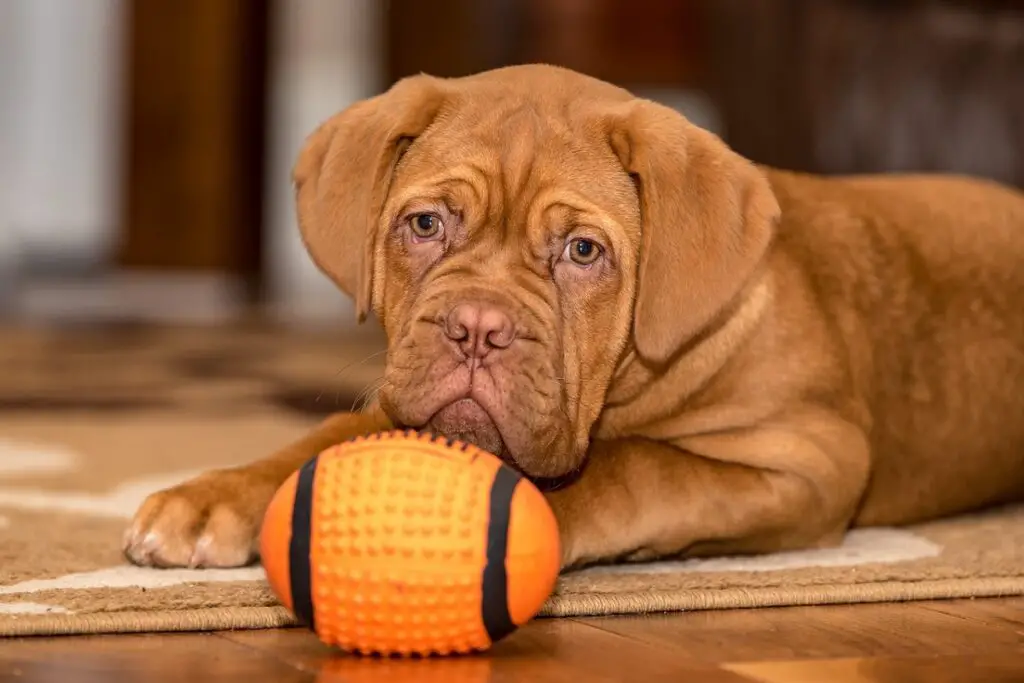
(92, 419)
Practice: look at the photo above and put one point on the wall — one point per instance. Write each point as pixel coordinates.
(325, 58)
(59, 128)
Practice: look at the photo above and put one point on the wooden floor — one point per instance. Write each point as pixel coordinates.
(932, 642)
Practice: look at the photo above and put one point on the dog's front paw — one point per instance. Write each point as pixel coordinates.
(211, 521)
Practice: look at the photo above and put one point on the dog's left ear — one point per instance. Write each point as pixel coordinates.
(343, 174)
(707, 218)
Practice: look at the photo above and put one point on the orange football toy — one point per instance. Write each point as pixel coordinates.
(404, 544)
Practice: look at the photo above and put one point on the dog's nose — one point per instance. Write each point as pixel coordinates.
(479, 329)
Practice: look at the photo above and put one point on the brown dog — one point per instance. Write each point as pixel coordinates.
(727, 359)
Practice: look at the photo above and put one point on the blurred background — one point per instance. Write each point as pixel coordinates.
(146, 145)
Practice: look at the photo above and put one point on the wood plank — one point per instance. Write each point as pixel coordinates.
(196, 658)
(1004, 668)
(891, 630)
(1007, 612)
(933, 642)
(554, 650)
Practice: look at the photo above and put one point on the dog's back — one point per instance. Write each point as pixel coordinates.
(922, 277)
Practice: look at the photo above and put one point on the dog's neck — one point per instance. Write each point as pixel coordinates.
(637, 388)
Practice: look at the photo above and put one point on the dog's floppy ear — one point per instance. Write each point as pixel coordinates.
(707, 218)
(343, 174)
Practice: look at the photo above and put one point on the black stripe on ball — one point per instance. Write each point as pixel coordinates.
(496, 617)
(299, 571)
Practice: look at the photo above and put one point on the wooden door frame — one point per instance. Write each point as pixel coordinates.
(196, 73)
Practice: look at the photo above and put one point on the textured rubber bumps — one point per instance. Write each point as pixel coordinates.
(404, 544)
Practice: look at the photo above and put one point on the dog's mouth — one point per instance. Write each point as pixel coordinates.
(466, 420)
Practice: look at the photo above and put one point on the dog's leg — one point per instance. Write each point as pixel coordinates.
(641, 500)
(214, 520)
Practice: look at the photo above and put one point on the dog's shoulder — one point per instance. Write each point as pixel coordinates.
(936, 217)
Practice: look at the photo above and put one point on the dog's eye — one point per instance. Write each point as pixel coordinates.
(426, 225)
(582, 251)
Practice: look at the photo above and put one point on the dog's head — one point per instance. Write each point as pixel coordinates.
(516, 233)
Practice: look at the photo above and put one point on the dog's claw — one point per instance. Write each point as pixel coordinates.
(212, 523)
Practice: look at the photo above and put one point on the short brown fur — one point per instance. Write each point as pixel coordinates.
(756, 360)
